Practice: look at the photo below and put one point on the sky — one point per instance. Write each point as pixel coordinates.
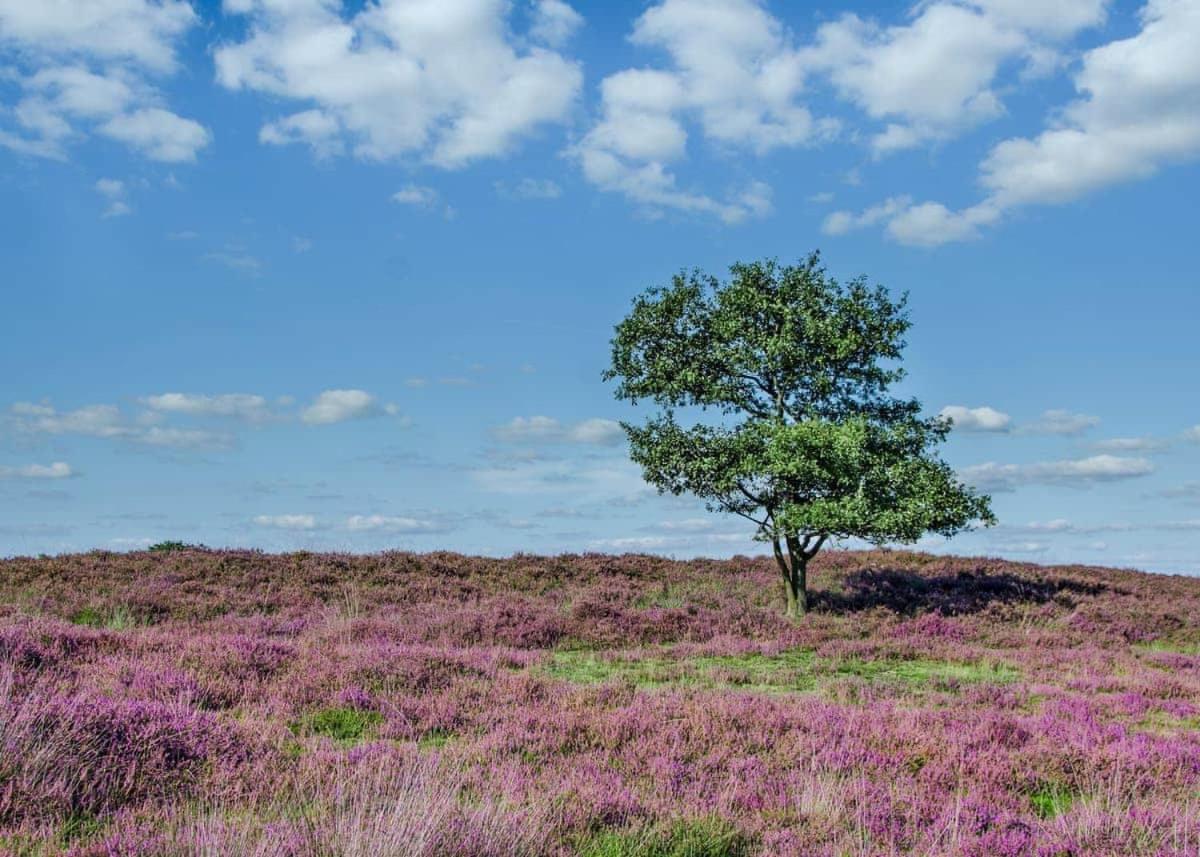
(310, 274)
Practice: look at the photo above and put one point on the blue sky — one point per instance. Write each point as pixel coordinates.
(309, 274)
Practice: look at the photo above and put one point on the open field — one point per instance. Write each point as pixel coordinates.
(220, 702)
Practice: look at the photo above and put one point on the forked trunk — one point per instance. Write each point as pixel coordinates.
(793, 568)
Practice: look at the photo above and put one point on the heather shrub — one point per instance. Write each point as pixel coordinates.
(66, 754)
(444, 705)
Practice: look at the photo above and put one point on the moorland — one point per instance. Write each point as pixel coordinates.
(188, 701)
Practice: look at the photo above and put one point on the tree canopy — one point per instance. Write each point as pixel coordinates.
(810, 443)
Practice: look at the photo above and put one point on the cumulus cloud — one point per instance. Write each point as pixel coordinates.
(336, 406)
(87, 68)
(55, 470)
(1137, 111)
(992, 476)
(419, 196)
(1192, 434)
(1132, 444)
(982, 418)
(733, 75)
(447, 81)
(107, 421)
(246, 406)
(180, 438)
(393, 524)
(541, 429)
(287, 522)
(935, 75)
(159, 134)
(554, 22)
(1060, 422)
(90, 420)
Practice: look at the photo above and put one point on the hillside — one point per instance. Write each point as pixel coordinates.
(231, 702)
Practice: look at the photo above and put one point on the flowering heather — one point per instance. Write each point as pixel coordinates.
(228, 702)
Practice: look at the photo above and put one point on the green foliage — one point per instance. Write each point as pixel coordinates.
(810, 444)
(685, 838)
(340, 724)
(1050, 800)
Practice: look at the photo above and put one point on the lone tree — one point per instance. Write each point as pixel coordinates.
(810, 444)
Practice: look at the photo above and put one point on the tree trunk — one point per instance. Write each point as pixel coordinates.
(799, 575)
(789, 586)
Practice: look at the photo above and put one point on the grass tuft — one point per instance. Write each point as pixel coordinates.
(341, 724)
(690, 838)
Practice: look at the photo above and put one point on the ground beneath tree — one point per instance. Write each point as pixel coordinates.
(233, 702)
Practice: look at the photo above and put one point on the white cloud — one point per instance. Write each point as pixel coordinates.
(112, 188)
(528, 188)
(393, 524)
(976, 419)
(422, 197)
(688, 525)
(287, 522)
(114, 191)
(1021, 547)
(319, 129)
(442, 80)
(1060, 422)
(335, 406)
(541, 429)
(159, 134)
(841, 222)
(732, 73)
(1137, 111)
(693, 542)
(56, 470)
(1192, 434)
(237, 260)
(86, 68)
(106, 421)
(1132, 444)
(90, 420)
(1063, 526)
(1188, 525)
(554, 22)
(244, 406)
(179, 438)
(139, 31)
(991, 476)
(935, 76)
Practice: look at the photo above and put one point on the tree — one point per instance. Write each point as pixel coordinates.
(809, 443)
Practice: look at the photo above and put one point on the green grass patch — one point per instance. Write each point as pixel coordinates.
(117, 618)
(692, 838)
(1162, 723)
(346, 725)
(1188, 647)
(1050, 800)
(79, 827)
(794, 671)
(434, 739)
